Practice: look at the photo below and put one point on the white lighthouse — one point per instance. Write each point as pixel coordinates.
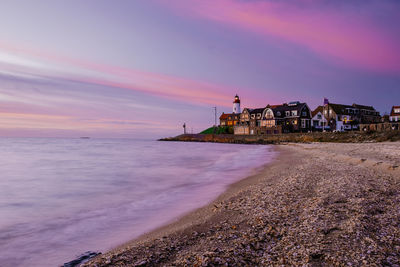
(236, 105)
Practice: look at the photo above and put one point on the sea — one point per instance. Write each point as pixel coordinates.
(61, 198)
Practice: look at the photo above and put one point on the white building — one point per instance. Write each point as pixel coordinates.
(319, 121)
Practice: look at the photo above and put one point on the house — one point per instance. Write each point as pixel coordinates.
(348, 117)
(228, 119)
(367, 114)
(250, 122)
(319, 122)
(395, 114)
(292, 117)
(231, 119)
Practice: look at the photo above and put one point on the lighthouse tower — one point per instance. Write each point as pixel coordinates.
(236, 105)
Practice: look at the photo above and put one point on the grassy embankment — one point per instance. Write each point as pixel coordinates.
(218, 130)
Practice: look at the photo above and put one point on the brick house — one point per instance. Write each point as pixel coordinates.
(229, 119)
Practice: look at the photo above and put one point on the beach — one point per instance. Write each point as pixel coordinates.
(317, 204)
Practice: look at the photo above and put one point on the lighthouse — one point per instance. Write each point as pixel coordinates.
(236, 105)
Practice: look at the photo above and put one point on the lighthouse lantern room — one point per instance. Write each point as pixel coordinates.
(236, 105)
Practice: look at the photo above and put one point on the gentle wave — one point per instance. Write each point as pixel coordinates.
(62, 197)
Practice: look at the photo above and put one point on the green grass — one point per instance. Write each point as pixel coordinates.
(218, 130)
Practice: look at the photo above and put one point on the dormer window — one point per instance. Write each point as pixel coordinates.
(269, 115)
(287, 113)
(278, 114)
(294, 112)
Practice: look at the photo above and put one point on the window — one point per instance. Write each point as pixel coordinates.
(287, 113)
(319, 116)
(270, 123)
(294, 112)
(253, 116)
(278, 114)
(397, 110)
(304, 113)
(303, 123)
(269, 114)
(295, 122)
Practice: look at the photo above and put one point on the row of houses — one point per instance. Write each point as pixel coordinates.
(298, 117)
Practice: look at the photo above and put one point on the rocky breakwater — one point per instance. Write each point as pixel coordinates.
(345, 137)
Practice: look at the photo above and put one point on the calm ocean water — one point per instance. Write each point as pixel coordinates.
(62, 197)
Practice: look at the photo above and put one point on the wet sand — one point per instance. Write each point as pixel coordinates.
(316, 205)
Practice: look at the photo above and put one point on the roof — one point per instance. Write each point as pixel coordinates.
(273, 106)
(318, 109)
(285, 107)
(224, 116)
(339, 108)
(256, 110)
(363, 107)
(392, 113)
(248, 109)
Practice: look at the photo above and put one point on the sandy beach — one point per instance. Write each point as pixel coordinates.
(317, 204)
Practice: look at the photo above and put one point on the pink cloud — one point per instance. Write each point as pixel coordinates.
(350, 39)
(162, 85)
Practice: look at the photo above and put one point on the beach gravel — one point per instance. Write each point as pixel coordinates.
(316, 205)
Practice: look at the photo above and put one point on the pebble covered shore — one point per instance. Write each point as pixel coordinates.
(317, 205)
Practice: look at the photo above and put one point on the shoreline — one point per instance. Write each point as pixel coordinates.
(200, 215)
(260, 217)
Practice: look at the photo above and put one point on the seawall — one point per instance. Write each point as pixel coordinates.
(345, 137)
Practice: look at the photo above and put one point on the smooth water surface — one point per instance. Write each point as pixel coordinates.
(62, 197)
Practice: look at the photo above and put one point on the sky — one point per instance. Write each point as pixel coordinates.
(140, 69)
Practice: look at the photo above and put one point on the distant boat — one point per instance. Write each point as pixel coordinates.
(85, 137)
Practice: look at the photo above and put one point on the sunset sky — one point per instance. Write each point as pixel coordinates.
(141, 69)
